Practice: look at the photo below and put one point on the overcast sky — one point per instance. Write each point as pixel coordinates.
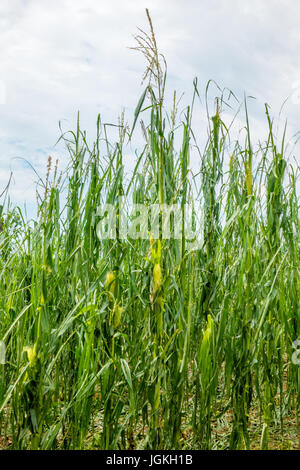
(61, 56)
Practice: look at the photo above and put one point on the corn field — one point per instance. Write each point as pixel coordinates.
(134, 343)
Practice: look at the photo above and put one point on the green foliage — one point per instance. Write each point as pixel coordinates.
(146, 343)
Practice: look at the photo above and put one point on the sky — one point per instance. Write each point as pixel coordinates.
(61, 56)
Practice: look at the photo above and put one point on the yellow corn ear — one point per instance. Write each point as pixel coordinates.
(31, 353)
(118, 310)
(157, 277)
(111, 282)
(156, 250)
(249, 181)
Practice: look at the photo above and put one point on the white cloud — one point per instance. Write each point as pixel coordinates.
(58, 56)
